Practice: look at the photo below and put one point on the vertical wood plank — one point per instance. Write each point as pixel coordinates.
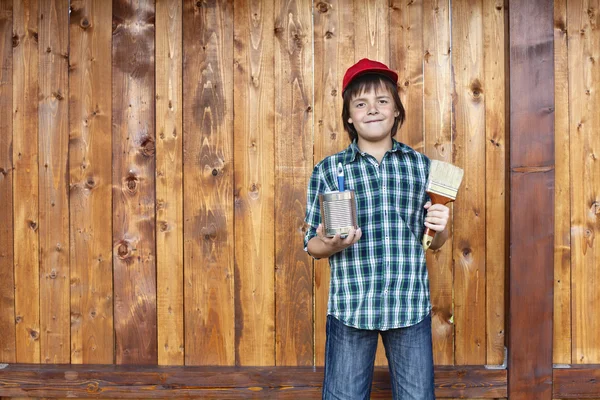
(90, 164)
(53, 166)
(293, 164)
(561, 349)
(208, 177)
(495, 178)
(437, 99)
(133, 182)
(254, 183)
(372, 30)
(531, 199)
(333, 54)
(25, 180)
(406, 57)
(7, 283)
(469, 212)
(169, 181)
(584, 88)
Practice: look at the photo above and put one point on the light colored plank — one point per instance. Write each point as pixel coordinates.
(7, 283)
(437, 101)
(208, 169)
(293, 165)
(134, 253)
(372, 30)
(169, 183)
(90, 166)
(562, 191)
(26, 177)
(584, 97)
(494, 50)
(469, 212)
(406, 57)
(333, 53)
(254, 182)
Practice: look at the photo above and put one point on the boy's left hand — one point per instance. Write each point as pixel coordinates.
(437, 216)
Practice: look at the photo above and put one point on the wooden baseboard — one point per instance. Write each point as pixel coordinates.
(152, 382)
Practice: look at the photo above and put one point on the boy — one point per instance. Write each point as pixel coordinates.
(379, 282)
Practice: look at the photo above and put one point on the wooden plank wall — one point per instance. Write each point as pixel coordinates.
(152, 175)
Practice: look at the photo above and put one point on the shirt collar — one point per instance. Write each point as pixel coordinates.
(353, 150)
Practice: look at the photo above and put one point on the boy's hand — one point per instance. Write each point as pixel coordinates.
(437, 216)
(336, 243)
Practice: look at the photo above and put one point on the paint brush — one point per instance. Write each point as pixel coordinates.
(442, 186)
(340, 177)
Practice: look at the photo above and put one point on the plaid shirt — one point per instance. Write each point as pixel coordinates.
(381, 281)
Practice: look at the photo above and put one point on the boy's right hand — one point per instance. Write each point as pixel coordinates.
(337, 243)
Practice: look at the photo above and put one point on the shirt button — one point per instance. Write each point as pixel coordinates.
(385, 291)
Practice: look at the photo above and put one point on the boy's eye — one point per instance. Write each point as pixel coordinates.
(383, 101)
(358, 105)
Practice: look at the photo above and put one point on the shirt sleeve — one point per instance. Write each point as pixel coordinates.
(316, 185)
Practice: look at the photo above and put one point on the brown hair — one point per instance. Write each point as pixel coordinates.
(365, 83)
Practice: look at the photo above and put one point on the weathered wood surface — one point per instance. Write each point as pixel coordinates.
(90, 183)
(25, 180)
(293, 161)
(98, 381)
(169, 183)
(496, 184)
(333, 52)
(254, 87)
(437, 99)
(208, 175)
(7, 282)
(562, 205)
(134, 252)
(531, 199)
(469, 134)
(584, 121)
(576, 382)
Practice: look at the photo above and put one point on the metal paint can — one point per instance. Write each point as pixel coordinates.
(338, 212)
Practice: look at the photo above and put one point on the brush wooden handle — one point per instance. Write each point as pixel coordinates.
(429, 233)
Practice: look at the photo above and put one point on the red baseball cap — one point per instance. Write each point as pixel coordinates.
(366, 66)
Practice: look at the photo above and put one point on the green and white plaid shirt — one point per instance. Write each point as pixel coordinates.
(381, 281)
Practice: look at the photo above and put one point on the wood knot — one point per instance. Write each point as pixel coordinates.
(48, 49)
(278, 30)
(466, 252)
(90, 182)
(334, 93)
(93, 314)
(148, 147)
(35, 36)
(18, 319)
(33, 225)
(52, 274)
(123, 250)
(164, 226)
(85, 23)
(333, 135)
(198, 4)
(215, 172)
(58, 96)
(15, 40)
(322, 7)
(328, 35)
(131, 183)
(34, 334)
(308, 109)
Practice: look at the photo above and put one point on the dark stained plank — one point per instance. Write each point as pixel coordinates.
(254, 148)
(333, 54)
(133, 180)
(90, 165)
(7, 285)
(208, 172)
(437, 123)
(531, 199)
(169, 182)
(25, 180)
(110, 381)
(293, 165)
(576, 382)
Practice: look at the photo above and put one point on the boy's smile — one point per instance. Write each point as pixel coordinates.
(373, 114)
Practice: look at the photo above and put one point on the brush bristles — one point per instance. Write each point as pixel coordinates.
(444, 179)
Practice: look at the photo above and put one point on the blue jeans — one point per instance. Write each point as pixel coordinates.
(350, 357)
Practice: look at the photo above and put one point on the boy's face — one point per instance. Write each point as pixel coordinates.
(373, 113)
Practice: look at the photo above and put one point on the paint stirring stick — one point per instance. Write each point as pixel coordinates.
(442, 186)
(340, 177)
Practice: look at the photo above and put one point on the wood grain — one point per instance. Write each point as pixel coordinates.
(561, 349)
(437, 100)
(584, 81)
(371, 30)
(469, 154)
(169, 183)
(134, 253)
(254, 91)
(531, 199)
(333, 54)
(7, 282)
(90, 165)
(496, 185)
(25, 180)
(208, 179)
(293, 165)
